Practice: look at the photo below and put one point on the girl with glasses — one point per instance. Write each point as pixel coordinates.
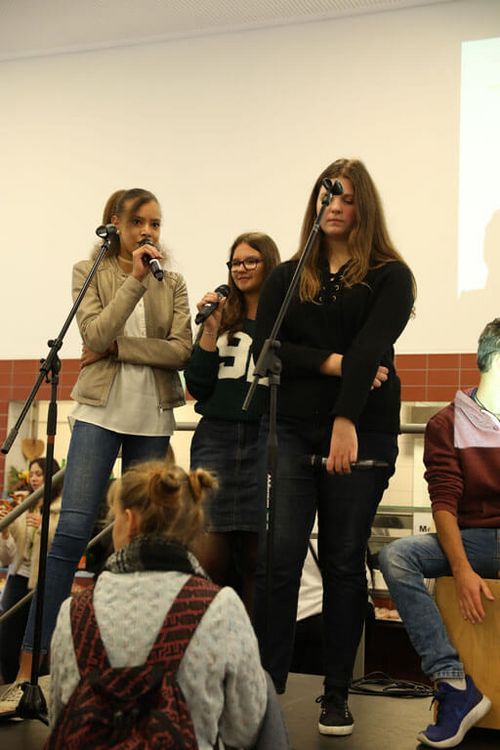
(225, 440)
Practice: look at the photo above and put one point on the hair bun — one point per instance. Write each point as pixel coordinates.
(170, 477)
(201, 479)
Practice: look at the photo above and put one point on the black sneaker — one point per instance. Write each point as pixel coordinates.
(335, 717)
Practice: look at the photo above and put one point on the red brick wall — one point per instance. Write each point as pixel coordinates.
(425, 377)
(17, 377)
(435, 377)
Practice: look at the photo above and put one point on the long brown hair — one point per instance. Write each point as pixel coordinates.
(369, 243)
(235, 309)
(169, 501)
(115, 206)
(42, 463)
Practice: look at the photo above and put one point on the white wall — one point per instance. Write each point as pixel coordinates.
(230, 132)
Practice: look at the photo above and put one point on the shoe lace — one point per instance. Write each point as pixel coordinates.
(437, 698)
(333, 698)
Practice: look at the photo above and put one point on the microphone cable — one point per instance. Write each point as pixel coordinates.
(381, 684)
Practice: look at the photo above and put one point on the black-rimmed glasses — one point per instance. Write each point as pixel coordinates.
(249, 264)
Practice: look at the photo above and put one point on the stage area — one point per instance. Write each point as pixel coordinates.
(380, 723)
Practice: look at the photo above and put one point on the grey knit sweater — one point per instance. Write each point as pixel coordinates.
(220, 675)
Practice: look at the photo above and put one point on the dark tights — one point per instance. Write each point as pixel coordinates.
(230, 559)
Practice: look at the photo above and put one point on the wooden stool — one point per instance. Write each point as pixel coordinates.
(478, 645)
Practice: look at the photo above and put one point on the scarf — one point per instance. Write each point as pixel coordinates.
(154, 552)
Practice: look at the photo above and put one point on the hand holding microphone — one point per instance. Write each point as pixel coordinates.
(208, 308)
(150, 260)
(365, 464)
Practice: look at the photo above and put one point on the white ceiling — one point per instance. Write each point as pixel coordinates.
(31, 28)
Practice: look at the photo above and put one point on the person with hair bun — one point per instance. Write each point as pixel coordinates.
(158, 511)
(225, 439)
(136, 333)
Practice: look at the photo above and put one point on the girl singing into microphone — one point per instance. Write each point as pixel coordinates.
(339, 397)
(136, 332)
(225, 440)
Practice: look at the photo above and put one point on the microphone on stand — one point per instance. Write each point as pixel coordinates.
(333, 187)
(105, 231)
(148, 260)
(207, 310)
(319, 462)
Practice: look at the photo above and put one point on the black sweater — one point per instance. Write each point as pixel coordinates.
(361, 322)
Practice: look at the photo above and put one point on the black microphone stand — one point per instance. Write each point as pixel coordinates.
(33, 704)
(269, 365)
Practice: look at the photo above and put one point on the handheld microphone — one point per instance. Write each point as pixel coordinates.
(319, 462)
(105, 231)
(206, 310)
(153, 263)
(334, 188)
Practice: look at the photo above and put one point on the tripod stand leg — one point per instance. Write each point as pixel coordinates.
(23, 701)
(33, 704)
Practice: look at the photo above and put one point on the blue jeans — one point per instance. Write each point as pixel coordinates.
(91, 455)
(405, 563)
(346, 505)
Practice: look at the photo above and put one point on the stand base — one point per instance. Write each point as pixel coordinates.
(32, 705)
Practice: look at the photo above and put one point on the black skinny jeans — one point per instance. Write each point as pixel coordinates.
(346, 505)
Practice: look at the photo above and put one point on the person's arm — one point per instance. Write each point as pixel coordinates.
(171, 352)
(101, 324)
(302, 360)
(298, 360)
(101, 321)
(389, 311)
(333, 366)
(88, 357)
(8, 544)
(245, 687)
(202, 370)
(445, 481)
(468, 583)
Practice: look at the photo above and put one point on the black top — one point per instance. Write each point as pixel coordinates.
(361, 322)
(220, 380)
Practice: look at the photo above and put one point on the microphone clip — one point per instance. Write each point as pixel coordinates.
(106, 231)
(333, 187)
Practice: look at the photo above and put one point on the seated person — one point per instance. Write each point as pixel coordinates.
(158, 512)
(462, 459)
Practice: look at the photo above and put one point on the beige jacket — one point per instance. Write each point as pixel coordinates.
(18, 531)
(105, 307)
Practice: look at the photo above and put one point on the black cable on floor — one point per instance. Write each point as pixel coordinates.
(379, 683)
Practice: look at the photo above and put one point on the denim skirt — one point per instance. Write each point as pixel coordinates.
(229, 449)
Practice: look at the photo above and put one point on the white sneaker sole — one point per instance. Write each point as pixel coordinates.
(335, 731)
(468, 722)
